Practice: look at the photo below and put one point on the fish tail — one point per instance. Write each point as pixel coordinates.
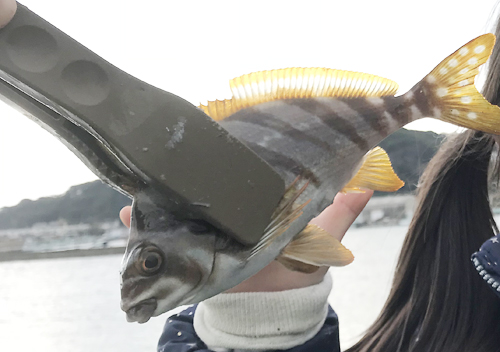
(450, 92)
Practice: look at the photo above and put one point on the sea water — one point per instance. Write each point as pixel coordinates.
(73, 304)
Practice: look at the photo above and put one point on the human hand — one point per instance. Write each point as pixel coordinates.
(7, 11)
(335, 219)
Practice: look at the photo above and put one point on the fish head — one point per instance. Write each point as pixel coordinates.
(173, 260)
(166, 263)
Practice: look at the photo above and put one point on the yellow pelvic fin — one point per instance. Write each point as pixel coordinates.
(296, 82)
(295, 265)
(376, 173)
(452, 83)
(316, 247)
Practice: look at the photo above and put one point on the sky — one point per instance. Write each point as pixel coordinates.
(192, 49)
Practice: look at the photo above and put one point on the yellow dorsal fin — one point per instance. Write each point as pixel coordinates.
(296, 82)
(316, 247)
(376, 173)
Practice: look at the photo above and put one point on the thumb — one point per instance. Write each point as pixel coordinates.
(125, 215)
(338, 217)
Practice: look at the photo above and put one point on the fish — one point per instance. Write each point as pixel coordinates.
(319, 129)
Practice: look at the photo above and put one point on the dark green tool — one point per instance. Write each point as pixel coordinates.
(134, 135)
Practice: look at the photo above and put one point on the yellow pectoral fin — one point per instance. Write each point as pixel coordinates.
(315, 247)
(376, 174)
(286, 213)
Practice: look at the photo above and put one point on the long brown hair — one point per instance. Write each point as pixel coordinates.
(438, 302)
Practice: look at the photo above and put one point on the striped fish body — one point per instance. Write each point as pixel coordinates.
(314, 127)
(323, 140)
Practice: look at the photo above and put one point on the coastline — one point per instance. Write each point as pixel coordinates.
(21, 255)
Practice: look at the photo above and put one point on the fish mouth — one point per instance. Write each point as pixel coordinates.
(142, 311)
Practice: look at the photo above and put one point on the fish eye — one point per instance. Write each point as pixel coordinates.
(150, 261)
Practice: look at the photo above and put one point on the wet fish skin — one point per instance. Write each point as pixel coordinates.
(321, 140)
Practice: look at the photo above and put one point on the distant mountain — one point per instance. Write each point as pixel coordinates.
(94, 202)
(91, 202)
(410, 151)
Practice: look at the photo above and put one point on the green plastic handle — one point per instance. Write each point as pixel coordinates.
(160, 138)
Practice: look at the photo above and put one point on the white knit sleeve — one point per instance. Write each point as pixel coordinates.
(263, 320)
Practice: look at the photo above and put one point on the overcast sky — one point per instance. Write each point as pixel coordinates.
(192, 49)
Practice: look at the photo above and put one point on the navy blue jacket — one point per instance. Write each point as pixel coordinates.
(487, 263)
(179, 335)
